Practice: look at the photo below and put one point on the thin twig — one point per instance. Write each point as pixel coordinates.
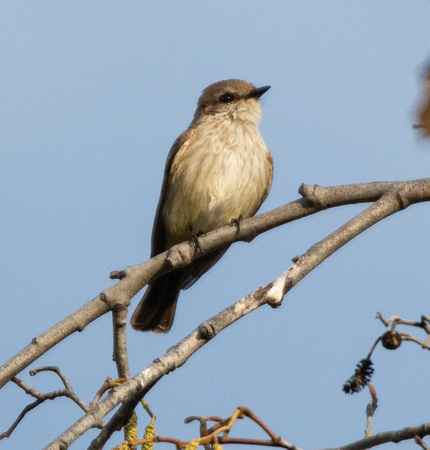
(28, 408)
(370, 410)
(119, 323)
(43, 396)
(395, 436)
(107, 385)
(67, 392)
(394, 321)
(223, 426)
(420, 442)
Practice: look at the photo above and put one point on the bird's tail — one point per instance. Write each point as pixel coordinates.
(156, 310)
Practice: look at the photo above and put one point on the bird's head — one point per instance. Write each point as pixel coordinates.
(236, 100)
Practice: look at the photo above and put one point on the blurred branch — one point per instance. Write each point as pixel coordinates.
(423, 112)
(397, 196)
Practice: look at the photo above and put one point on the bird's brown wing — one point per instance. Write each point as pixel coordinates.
(156, 309)
(191, 273)
(158, 240)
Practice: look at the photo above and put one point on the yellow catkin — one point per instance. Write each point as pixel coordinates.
(216, 447)
(150, 431)
(131, 428)
(192, 445)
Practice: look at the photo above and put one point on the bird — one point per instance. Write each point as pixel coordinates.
(218, 171)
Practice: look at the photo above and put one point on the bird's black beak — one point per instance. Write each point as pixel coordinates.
(258, 92)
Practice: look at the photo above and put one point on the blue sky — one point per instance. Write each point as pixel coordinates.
(93, 95)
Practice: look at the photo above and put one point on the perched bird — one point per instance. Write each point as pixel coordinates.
(218, 170)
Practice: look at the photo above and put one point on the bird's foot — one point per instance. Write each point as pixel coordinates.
(236, 222)
(194, 239)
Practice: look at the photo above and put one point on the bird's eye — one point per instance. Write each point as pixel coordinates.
(227, 98)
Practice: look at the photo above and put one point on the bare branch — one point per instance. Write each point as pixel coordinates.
(107, 385)
(28, 408)
(137, 387)
(67, 392)
(134, 278)
(395, 436)
(370, 410)
(119, 322)
(420, 442)
(396, 320)
(43, 396)
(212, 436)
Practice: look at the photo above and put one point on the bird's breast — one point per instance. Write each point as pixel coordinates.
(223, 172)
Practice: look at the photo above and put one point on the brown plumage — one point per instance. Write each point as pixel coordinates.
(218, 170)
